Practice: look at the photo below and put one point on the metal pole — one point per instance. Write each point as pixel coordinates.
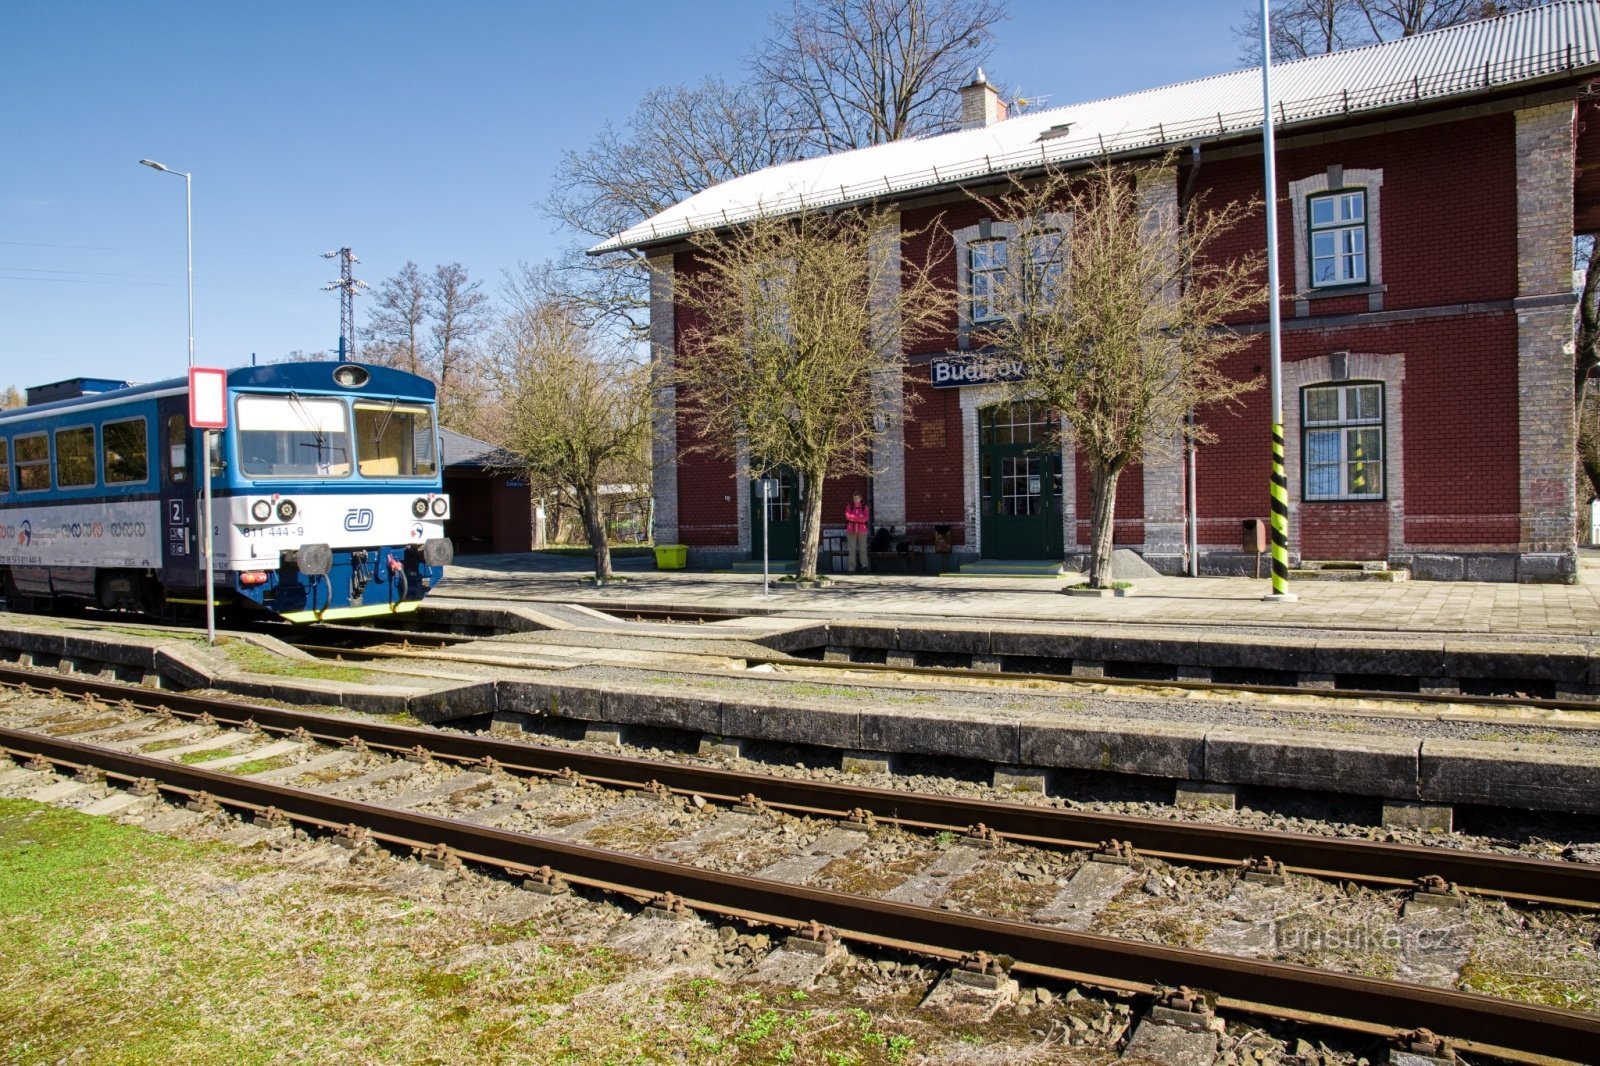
(1193, 501)
(1278, 485)
(766, 518)
(211, 591)
(188, 231)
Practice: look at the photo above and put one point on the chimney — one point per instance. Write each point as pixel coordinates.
(980, 103)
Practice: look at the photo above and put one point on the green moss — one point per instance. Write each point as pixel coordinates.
(189, 758)
(258, 660)
(260, 766)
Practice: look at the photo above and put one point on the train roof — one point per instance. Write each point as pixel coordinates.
(299, 377)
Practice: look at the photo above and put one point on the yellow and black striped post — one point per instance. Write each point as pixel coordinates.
(1280, 517)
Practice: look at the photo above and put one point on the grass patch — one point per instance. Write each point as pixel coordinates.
(1499, 736)
(838, 692)
(189, 758)
(583, 551)
(257, 660)
(163, 745)
(121, 946)
(260, 766)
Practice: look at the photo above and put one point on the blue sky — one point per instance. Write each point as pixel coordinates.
(406, 130)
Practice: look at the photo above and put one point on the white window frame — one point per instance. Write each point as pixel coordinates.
(1345, 234)
(1055, 222)
(1336, 179)
(1346, 429)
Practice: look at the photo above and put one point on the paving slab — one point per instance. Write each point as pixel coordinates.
(1091, 887)
(798, 869)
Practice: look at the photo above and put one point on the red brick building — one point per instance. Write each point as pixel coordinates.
(1429, 191)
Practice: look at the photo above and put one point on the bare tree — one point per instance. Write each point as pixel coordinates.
(1116, 310)
(394, 325)
(680, 140)
(791, 345)
(837, 74)
(459, 311)
(1585, 359)
(576, 412)
(1302, 28)
(11, 398)
(854, 73)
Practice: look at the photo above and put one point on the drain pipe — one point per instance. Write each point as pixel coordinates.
(1191, 503)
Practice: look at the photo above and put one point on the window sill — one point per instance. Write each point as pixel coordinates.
(1328, 292)
(1342, 499)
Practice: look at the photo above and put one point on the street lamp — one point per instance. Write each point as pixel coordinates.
(188, 229)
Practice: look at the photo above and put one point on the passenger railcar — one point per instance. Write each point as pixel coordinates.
(327, 500)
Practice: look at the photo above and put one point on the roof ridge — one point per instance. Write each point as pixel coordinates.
(1301, 61)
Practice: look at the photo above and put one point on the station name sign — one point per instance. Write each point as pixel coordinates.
(952, 372)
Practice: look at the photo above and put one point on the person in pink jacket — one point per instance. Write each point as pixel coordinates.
(857, 518)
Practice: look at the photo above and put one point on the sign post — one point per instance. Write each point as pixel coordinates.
(208, 410)
(766, 518)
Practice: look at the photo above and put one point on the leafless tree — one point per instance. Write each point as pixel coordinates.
(459, 311)
(11, 398)
(1302, 28)
(575, 408)
(394, 325)
(854, 73)
(680, 140)
(836, 74)
(1585, 359)
(1116, 309)
(791, 344)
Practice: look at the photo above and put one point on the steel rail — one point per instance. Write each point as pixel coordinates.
(949, 673)
(1251, 983)
(1371, 862)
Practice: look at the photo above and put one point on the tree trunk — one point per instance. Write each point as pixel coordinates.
(1102, 511)
(810, 525)
(595, 526)
(1589, 443)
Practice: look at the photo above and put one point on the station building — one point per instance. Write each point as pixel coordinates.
(1429, 192)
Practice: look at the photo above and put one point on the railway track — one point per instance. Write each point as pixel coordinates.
(1517, 1031)
(1387, 865)
(1252, 985)
(425, 645)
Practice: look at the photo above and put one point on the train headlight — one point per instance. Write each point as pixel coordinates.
(440, 506)
(287, 510)
(419, 507)
(261, 510)
(350, 376)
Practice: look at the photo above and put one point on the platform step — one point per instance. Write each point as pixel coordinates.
(1328, 573)
(1012, 568)
(776, 566)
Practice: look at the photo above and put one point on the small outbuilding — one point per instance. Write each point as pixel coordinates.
(490, 506)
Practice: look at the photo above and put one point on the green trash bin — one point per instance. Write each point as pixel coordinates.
(672, 556)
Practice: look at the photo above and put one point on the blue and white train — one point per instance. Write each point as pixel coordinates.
(326, 486)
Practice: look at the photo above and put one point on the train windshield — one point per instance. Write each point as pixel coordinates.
(395, 440)
(293, 436)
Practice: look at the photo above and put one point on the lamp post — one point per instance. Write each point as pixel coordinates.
(205, 437)
(188, 234)
(1278, 485)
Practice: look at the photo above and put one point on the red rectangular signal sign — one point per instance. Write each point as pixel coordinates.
(208, 398)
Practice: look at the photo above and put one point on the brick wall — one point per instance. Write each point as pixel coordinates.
(934, 464)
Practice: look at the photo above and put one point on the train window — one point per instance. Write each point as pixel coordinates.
(395, 440)
(125, 451)
(293, 436)
(75, 457)
(32, 462)
(178, 448)
(5, 466)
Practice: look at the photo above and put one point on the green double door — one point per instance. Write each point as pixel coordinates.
(783, 515)
(1019, 459)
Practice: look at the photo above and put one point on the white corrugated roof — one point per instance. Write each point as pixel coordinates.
(1457, 61)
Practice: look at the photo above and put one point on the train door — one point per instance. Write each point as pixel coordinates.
(180, 536)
